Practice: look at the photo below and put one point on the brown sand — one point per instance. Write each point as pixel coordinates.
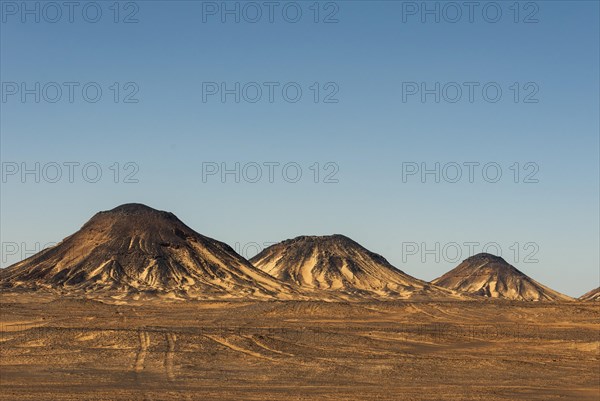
(62, 349)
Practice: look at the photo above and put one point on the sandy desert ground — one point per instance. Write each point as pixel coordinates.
(68, 349)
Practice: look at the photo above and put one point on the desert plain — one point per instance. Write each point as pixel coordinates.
(55, 347)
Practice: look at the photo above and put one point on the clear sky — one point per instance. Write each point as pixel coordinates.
(367, 114)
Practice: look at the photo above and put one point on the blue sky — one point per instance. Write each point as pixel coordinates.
(167, 125)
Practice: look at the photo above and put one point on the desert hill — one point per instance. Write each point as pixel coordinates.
(136, 249)
(491, 276)
(593, 295)
(338, 266)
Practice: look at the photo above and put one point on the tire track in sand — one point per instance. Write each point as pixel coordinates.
(171, 338)
(229, 344)
(142, 351)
